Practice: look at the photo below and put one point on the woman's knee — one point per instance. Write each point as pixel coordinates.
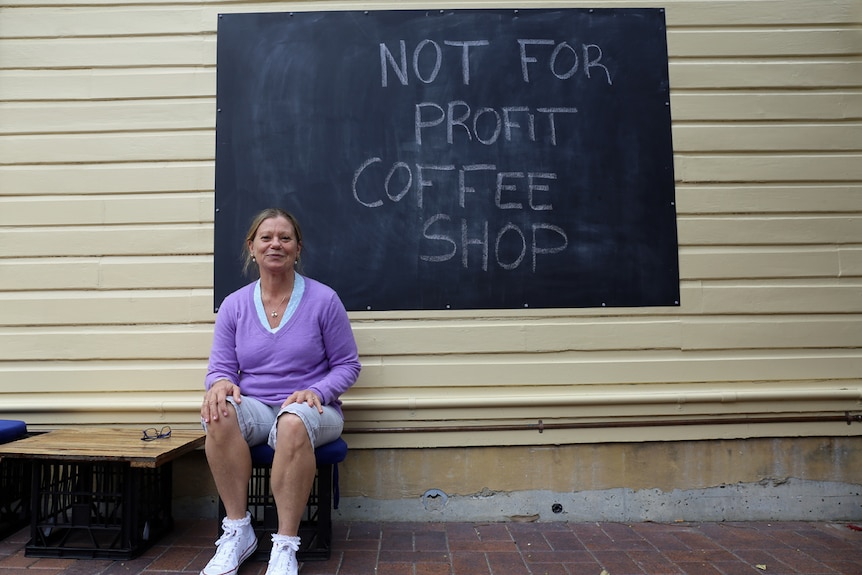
(291, 432)
(225, 427)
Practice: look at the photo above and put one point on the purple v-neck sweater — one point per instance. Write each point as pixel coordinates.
(314, 349)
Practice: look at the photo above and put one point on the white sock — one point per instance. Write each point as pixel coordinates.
(289, 540)
(239, 522)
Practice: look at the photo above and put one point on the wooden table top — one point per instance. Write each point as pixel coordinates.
(104, 444)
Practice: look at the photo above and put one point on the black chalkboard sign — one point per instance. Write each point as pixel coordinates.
(453, 159)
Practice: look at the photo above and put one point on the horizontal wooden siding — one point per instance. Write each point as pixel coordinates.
(107, 125)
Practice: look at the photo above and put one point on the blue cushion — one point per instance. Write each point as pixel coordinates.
(329, 453)
(11, 429)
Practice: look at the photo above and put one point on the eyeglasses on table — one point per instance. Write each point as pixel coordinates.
(151, 433)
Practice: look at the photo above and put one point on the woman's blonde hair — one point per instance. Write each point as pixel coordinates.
(248, 267)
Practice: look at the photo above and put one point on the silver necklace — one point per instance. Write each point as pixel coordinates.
(274, 312)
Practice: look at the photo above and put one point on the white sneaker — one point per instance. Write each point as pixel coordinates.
(282, 558)
(236, 544)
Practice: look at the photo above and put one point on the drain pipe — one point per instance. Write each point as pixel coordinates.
(541, 426)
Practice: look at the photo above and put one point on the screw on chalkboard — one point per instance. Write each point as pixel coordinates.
(368, 308)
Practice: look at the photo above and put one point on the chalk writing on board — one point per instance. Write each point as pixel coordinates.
(487, 126)
(564, 60)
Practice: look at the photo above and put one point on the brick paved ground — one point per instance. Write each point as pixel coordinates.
(760, 548)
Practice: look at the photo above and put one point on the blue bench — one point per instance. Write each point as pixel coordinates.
(12, 429)
(14, 482)
(315, 530)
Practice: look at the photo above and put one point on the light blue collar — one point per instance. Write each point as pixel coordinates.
(292, 304)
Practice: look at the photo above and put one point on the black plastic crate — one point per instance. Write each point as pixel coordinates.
(315, 530)
(104, 510)
(14, 495)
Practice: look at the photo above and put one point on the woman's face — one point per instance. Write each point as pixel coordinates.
(274, 246)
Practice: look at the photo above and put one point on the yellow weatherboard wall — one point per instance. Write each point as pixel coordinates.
(107, 146)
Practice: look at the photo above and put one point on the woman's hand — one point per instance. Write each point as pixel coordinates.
(304, 396)
(215, 400)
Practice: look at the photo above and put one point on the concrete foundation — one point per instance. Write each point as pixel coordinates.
(768, 500)
(781, 479)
